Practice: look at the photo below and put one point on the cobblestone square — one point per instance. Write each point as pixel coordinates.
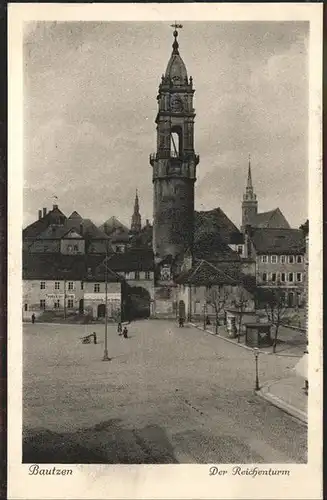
(169, 395)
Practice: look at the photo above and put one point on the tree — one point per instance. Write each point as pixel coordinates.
(240, 302)
(244, 294)
(275, 306)
(217, 296)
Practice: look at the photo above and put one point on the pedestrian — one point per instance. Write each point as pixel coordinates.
(125, 332)
(33, 318)
(94, 338)
(119, 328)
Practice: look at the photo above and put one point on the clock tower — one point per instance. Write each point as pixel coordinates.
(174, 162)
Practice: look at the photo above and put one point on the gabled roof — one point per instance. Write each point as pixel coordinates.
(278, 241)
(56, 266)
(204, 273)
(55, 232)
(272, 219)
(111, 225)
(34, 229)
(132, 260)
(215, 221)
(91, 231)
(75, 216)
(212, 248)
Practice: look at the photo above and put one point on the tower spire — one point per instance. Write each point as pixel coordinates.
(136, 217)
(175, 34)
(250, 203)
(249, 183)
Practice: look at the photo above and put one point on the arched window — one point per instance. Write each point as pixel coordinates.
(174, 144)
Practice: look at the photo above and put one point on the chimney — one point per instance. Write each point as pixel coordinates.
(40, 214)
(54, 207)
(44, 212)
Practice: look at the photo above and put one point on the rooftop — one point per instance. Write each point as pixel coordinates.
(278, 241)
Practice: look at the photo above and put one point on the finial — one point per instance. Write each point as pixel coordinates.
(175, 34)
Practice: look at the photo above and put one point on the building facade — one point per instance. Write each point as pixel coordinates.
(280, 261)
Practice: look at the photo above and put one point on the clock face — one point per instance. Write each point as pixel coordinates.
(176, 103)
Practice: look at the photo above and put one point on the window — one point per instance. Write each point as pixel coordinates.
(273, 277)
(137, 275)
(291, 259)
(57, 285)
(42, 285)
(290, 277)
(240, 249)
(298, 276)
(282, 259)
(42, 304)
(299, 259)
(274, 259)
(283, 277)
(82, 285)
(70, 303)
(75, 248)
(129, 275)
(147, 275)
(264, 277)
(264, 258)
(97, 287)
(70, 285)
(56, 304)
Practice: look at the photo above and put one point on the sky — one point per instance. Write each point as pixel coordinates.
(90, 103)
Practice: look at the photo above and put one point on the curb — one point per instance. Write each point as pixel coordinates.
(227, 339)
(264, 393)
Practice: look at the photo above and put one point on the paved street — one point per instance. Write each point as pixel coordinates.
(169, 395)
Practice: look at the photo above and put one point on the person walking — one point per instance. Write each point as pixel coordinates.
(125, 332)
(94, 338)
(119, 328)
(33, 318)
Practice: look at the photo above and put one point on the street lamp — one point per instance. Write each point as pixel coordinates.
(256, 356)
(105, 354)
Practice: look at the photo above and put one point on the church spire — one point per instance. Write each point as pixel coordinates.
(249, 184)
(250, 203)
(136, 217)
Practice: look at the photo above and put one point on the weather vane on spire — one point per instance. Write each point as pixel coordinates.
(175, 25)
(175, 33)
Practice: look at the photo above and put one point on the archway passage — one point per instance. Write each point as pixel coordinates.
(139, 300)
(181, 309)
(101, 311)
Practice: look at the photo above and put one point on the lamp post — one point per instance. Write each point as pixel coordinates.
(256, 356)
(105, 354)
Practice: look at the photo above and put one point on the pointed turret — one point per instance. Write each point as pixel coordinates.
(136, 217)
(250, 203)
